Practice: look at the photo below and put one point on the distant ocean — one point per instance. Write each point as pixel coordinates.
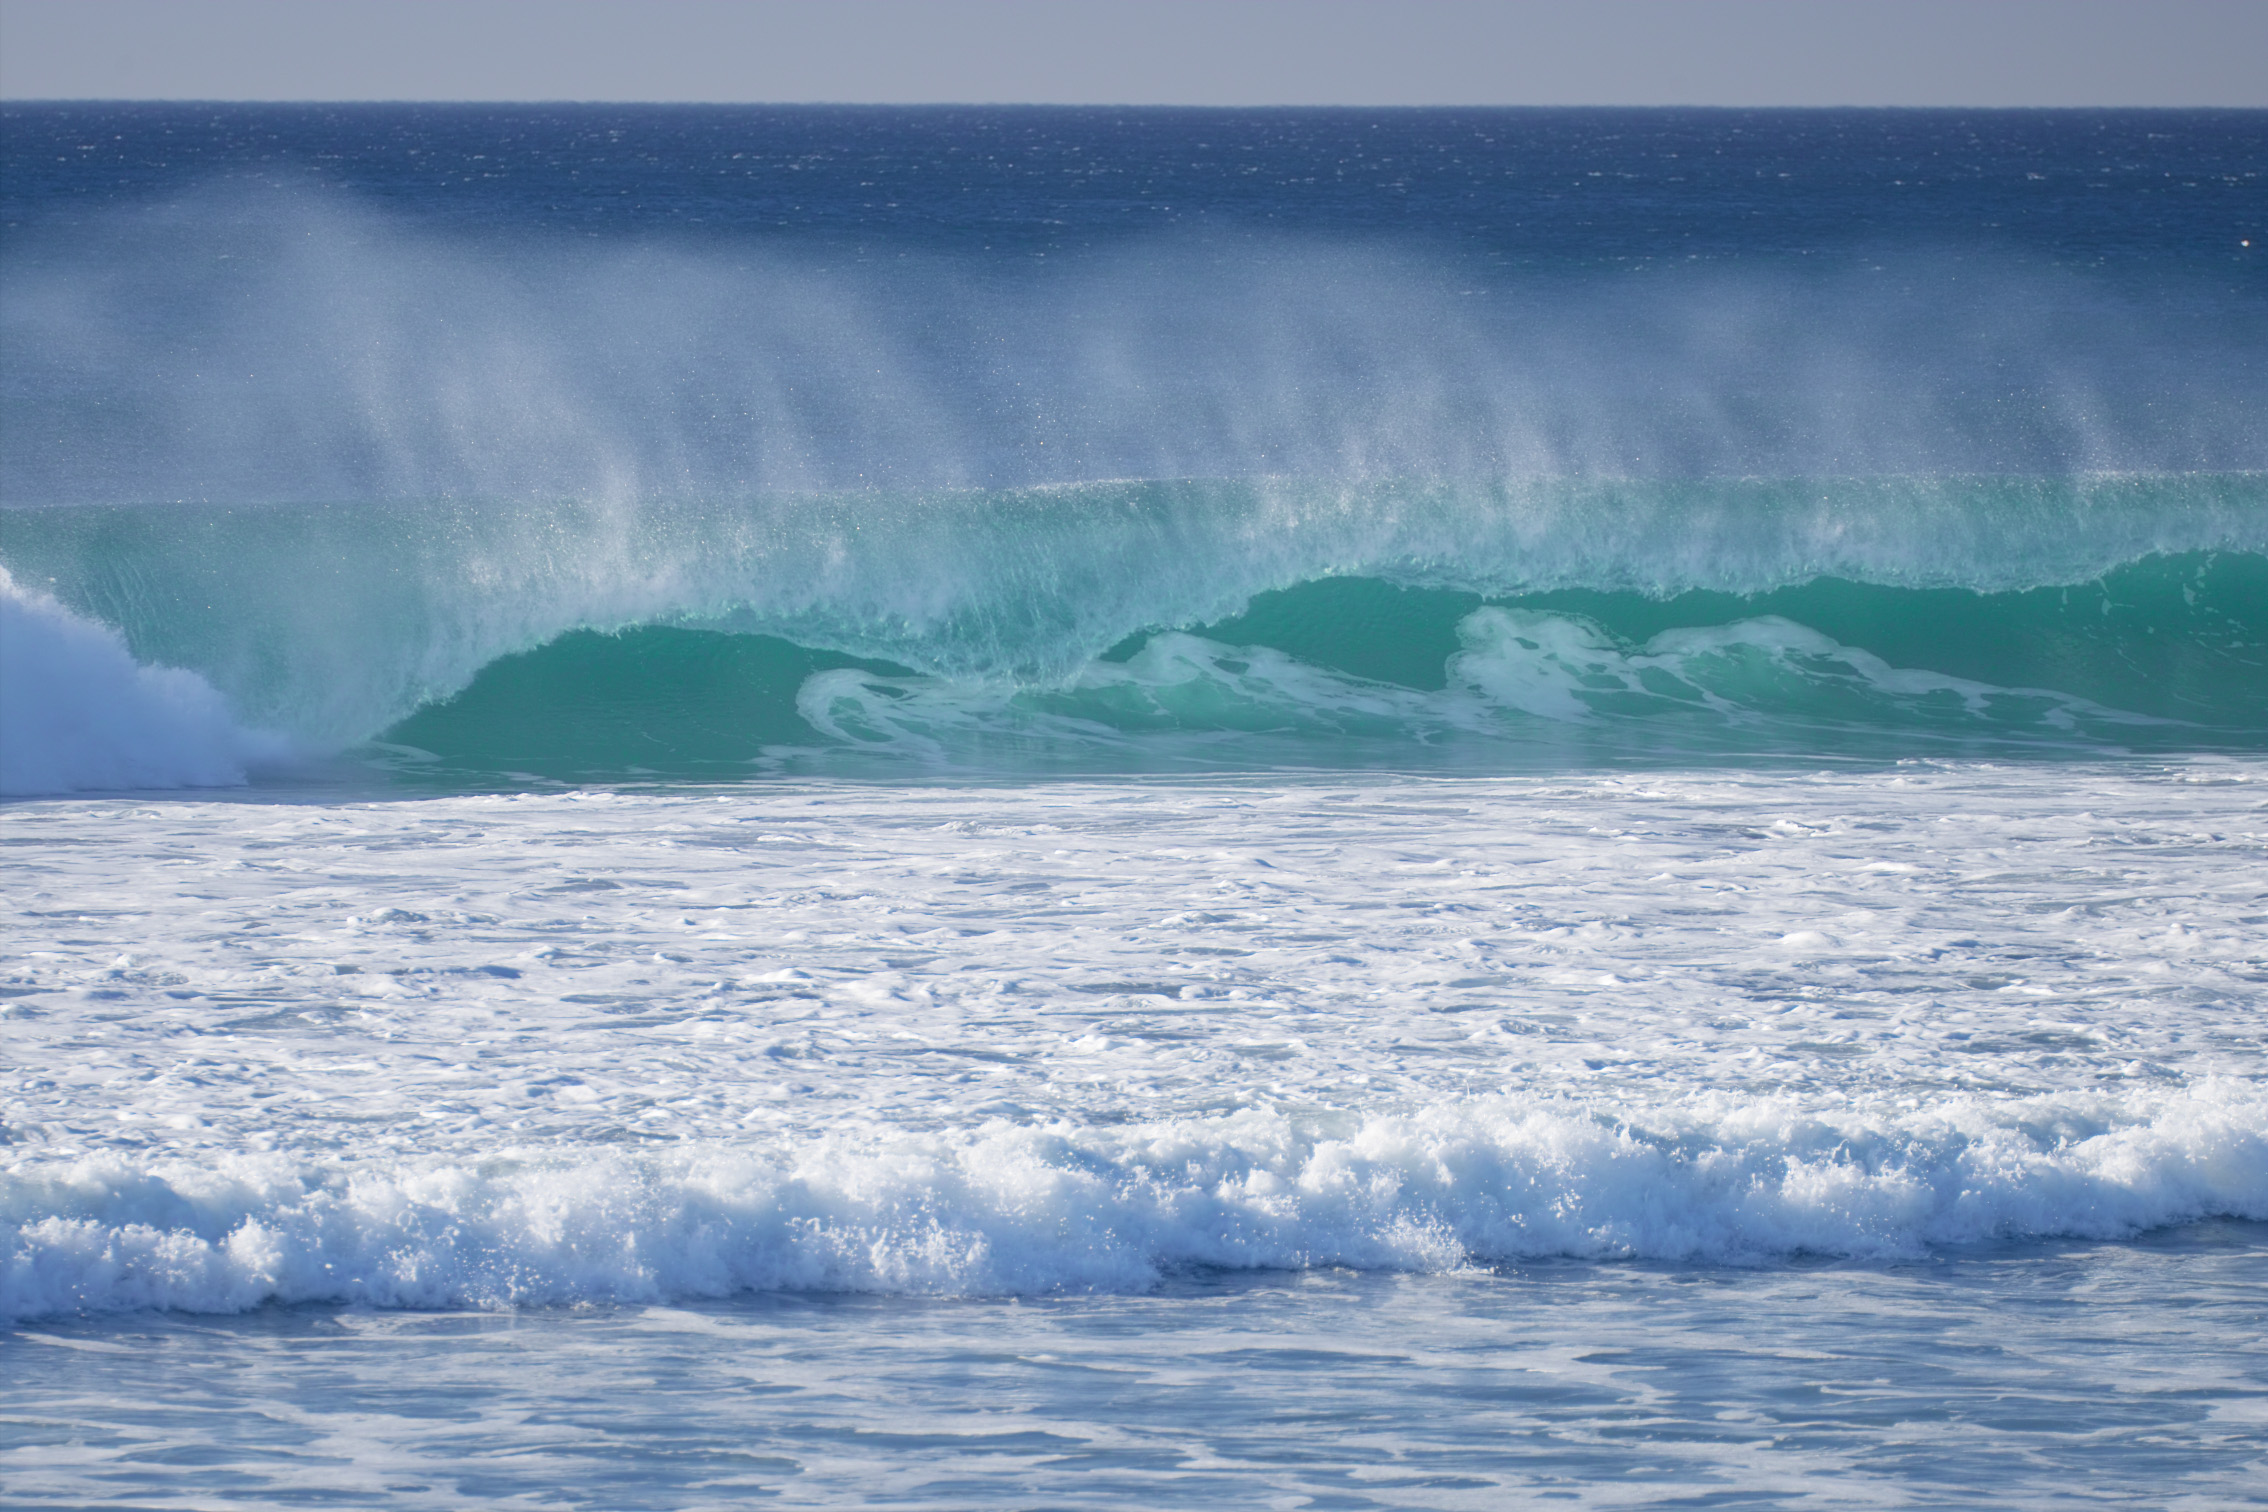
(1035, 807)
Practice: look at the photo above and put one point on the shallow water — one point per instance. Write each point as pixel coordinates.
(623, 1046)
(2128, 1374)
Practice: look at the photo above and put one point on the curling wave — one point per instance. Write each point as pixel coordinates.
(1149, 625)
(77, 712)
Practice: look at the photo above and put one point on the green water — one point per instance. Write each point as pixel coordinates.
(1113, 620)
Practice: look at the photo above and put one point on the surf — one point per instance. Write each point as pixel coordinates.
(1050, 1208)
(436, 502)
(1149, 625)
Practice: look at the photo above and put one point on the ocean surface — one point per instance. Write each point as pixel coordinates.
(1030, 808)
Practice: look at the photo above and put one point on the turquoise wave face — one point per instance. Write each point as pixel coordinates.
(2166, 654)
(1175, 626)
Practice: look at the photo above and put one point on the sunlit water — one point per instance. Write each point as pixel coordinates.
(1042, 808)
(1688, 1135)
(2045, 1376)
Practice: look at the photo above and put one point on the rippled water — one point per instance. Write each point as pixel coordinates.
(2042, 1376)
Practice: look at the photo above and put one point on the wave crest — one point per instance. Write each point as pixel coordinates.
(337, 623)
(78, 713)
(1007, 1209)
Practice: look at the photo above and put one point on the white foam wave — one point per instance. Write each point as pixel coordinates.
(1564, 668)
(1519, 673)
(1008, 1209)
(78, 713)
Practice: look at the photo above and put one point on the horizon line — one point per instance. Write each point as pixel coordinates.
(1180, 106)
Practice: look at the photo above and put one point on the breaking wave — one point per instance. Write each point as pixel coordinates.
(506, 503)
(1170, 626)
(1007, 1209)
(78, 712)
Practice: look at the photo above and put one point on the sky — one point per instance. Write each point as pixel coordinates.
(1163, 52)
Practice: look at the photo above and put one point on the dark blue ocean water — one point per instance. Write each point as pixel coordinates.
(2156, 193)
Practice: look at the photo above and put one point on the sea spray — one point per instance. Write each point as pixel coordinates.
(289, 347)
(358, 461)
(77, 711)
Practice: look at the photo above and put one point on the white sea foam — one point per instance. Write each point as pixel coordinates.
(1029, 1209)
(1519, 674)
(531, 1048)
(77, 712)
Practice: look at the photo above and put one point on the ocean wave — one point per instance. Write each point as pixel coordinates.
(1044, 1209)
(78, 713)
(1004, 1209)
(392, 459)
(1522, 684)
(337, 624)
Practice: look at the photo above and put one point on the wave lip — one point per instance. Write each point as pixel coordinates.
(78, 713)
(1023, 1209)
(683, 633)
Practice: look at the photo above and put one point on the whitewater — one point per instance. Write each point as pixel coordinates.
(636, 1047)
(939, 808)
